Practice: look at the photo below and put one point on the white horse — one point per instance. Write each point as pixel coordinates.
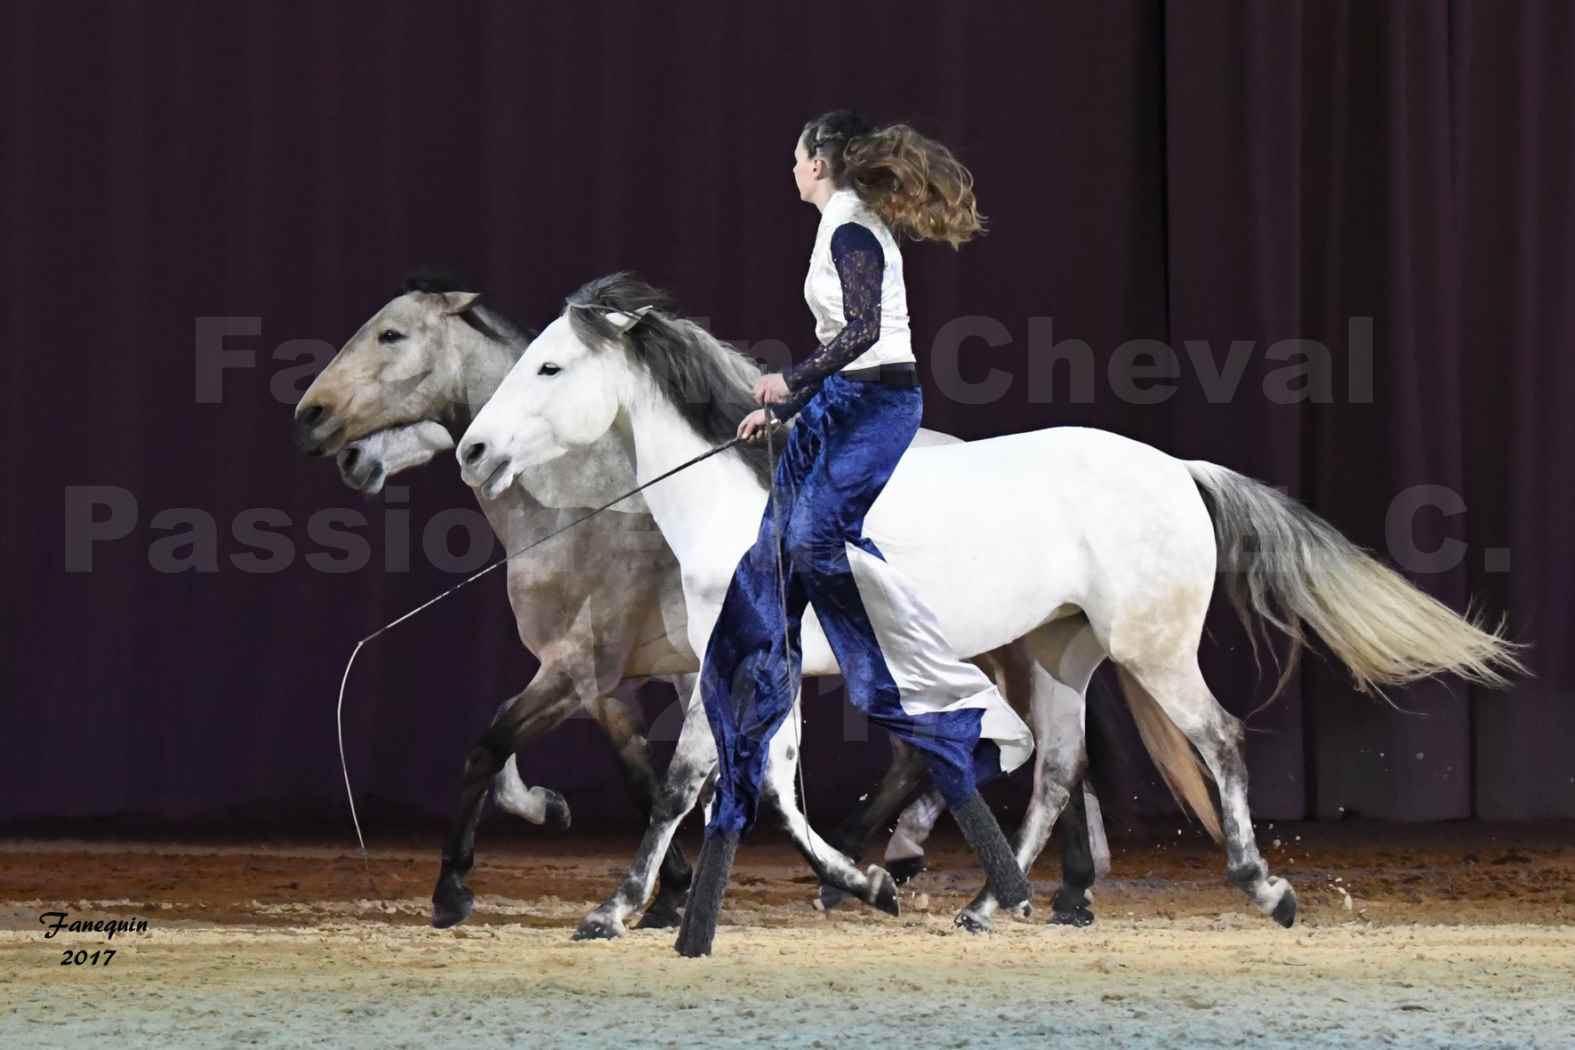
(1065, 538)
(389, 401)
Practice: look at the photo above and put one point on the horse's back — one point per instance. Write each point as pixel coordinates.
(1009, 527)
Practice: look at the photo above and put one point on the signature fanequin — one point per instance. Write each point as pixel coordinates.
(55, 922)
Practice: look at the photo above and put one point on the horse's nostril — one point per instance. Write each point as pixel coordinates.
(352, 456)
(312, 414)
(474, 451)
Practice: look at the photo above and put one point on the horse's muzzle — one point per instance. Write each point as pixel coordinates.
(313, 427)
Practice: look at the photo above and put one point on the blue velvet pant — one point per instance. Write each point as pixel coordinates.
(896, 666)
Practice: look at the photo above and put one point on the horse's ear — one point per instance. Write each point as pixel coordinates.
(623, 322)
(459, 302)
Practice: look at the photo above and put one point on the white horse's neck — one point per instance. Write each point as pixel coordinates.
(687, 506)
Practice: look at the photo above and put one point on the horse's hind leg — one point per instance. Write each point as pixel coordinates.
(624, 724)
(1070, 906)
(1055, 671)
(1184, 697)
(693, 763)
(1058, 770)
(544, 704)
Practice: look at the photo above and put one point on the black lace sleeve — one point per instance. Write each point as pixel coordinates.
(860, 264)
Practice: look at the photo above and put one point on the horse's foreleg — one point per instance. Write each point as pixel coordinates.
(906, 774)
(546, 702)
(905, 848)
(624, 724)
(874, 886)
(536, 805)
(1054, 784)
(697, 933)
(692, 765)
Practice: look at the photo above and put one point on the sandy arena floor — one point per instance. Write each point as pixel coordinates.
(1454, 936)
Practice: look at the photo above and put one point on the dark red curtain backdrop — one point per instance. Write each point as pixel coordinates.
(1188, 171)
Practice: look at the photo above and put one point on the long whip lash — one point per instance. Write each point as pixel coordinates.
(339, 710)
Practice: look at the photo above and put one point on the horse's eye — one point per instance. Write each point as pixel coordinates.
(389, 335)
(548, 370)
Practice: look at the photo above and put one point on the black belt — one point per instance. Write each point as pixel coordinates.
(902, 373)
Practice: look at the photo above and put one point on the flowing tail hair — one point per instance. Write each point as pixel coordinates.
(1178, 763)
(1283, 565)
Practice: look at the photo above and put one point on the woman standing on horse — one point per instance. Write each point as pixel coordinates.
(858, 403)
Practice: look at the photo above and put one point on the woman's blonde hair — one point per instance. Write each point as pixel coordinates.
(916, 185)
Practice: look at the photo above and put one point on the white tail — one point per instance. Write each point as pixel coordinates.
(1285, 565)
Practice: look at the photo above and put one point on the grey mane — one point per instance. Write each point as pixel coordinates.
(708, 381)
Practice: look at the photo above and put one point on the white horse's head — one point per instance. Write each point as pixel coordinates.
(562, 395)
(616, 343)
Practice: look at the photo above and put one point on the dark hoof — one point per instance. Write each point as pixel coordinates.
(1069, 907)
(660, 916)
(883, 891)
(598, 927)
(557, 810)
(830, 897)
(695, 939)
(971, 922)
(452, 902)
(906, 868)
(1072, 917)
(1285, 912)
(704, 909)
(694, 950)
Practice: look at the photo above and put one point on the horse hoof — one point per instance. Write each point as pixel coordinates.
(1284, 912)
(883, 891)
(598, 927)
(452, 902)
(695, 937)
(829, 897)
(971, 922)
(906, 868)
(557, 810)
(692, 947)
(1069, 907)
(660, 916)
